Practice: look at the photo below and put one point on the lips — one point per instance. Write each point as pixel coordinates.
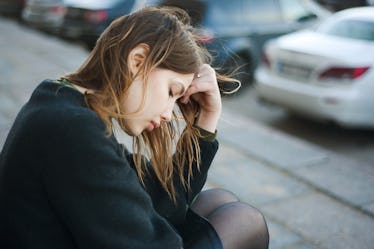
(155, 124)
(152, 125)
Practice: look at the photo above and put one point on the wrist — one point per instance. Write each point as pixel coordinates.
(208, 120)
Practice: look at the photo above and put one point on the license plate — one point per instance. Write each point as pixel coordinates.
(293, 71)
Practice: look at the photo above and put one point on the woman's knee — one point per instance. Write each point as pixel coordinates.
(242, 212)
(219, 195)
(256, 220)
(209, 200)
(257, 227)
(247, 221)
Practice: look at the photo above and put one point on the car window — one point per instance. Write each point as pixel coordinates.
(295, 11)
(356, 29)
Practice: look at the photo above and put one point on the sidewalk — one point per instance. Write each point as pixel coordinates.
(311, 197)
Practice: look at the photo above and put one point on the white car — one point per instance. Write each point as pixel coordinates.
(326, 73)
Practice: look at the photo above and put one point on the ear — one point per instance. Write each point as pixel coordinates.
(137, 57)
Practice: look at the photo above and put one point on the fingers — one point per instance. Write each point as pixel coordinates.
(192, 89)
(205, 81)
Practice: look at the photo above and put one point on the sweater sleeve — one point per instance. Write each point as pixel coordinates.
(96, 193)
(175, 212)
(208, 149)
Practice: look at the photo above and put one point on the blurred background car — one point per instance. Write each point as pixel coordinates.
(47, 15)
(86, 19)
(11, 7)
(235, 31)
(336, 5)
(326, 73)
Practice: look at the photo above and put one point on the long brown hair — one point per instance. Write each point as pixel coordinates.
(173, 45)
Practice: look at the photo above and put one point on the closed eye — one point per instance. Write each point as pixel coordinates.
(171, 94)
(176, 89)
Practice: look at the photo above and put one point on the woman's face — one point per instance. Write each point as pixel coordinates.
(164, 88)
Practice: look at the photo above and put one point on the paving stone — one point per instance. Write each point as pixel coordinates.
(280, 237)
(369, 207)
(53, 58)
(4, 129)
(21, 70)
(327, 222)
(227, 155)
(5, 68)
(8, 104)
(250, 180)
(269, 145)
(51, 47)
(345, 179)
(301, 246)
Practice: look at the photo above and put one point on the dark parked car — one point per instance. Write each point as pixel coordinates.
(336, 5)
(86, 20)
(11, 7)
(235, 31)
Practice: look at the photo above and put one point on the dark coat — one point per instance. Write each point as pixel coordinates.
(65, 184)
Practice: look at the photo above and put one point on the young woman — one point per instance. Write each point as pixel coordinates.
(67, 183)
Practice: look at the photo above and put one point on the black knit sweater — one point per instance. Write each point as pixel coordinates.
(65, 184)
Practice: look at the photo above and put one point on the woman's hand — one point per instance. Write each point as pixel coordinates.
(204, 90)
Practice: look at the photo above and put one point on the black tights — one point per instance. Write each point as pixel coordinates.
(239, 225)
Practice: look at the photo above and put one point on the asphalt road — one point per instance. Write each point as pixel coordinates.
(354, 143)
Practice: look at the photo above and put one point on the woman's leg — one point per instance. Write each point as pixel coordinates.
(239, 225)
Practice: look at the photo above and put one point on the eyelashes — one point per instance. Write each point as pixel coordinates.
(171, 94)
(176, 91)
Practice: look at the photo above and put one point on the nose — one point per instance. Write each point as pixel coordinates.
(168, 113)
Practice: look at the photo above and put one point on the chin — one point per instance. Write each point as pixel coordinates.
(134, 132)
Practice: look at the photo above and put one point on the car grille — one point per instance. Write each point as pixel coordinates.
(292, 70)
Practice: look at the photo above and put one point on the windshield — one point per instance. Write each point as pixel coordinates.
(355, 29)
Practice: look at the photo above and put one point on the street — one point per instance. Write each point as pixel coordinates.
(354, 143)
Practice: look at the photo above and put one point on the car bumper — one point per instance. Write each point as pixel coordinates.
(315, 101)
